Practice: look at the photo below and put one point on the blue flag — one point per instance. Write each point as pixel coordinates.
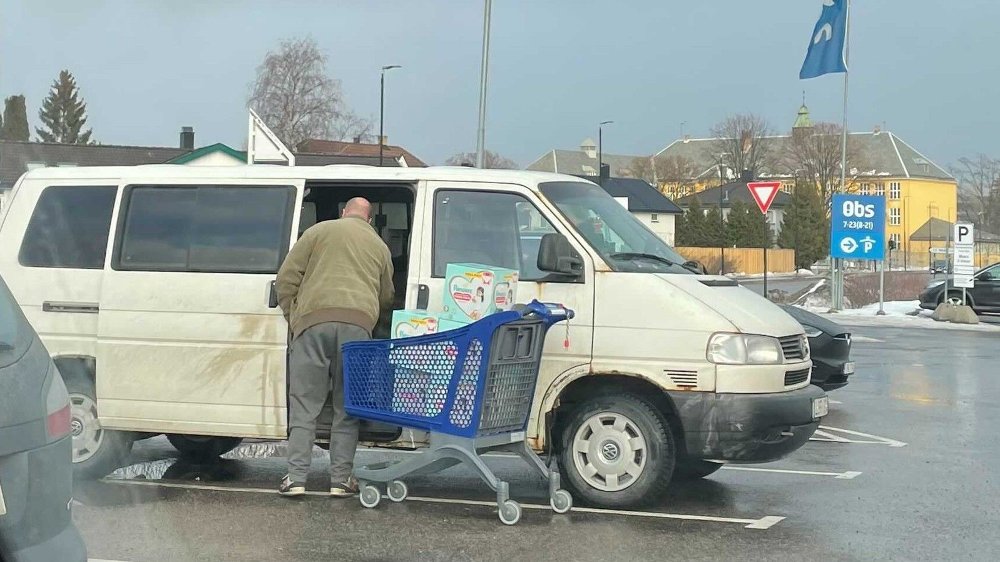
(829, 39)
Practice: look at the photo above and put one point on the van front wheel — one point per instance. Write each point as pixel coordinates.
(202, 446)
(617, 451)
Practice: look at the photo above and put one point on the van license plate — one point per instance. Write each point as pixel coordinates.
(821, 407)
(849, 368)
(3, 506)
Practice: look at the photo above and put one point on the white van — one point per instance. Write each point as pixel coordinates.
(152, 288)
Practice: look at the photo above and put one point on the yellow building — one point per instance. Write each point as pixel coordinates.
(916, 189)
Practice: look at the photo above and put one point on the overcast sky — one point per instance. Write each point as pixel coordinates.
(929, 70)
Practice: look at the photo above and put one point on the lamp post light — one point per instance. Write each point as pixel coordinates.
(600, 150)
(381, 111)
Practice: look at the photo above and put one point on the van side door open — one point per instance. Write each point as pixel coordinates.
(187, 341)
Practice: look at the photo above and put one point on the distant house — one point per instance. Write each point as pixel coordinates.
(392, 155)
(723, 197)
(644, 201)
(583, 162)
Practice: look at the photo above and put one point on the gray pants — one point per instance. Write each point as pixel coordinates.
(315, 369)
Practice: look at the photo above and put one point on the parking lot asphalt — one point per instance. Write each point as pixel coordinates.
(904, 468)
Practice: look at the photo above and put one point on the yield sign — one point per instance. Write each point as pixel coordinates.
(763, 193)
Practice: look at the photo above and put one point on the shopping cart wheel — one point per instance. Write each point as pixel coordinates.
(561, 501)
(370, 496)
(510, 512)
(397, 491)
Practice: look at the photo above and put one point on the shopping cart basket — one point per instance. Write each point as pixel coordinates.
(472, 388)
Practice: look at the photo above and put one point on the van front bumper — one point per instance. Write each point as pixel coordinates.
(746, 428)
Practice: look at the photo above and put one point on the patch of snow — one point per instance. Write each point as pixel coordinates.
(804, 272)
(892, 308)
(899, 314)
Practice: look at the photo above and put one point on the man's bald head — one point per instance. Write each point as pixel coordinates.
(358, 207)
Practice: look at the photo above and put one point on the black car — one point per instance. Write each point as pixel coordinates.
(983, 297)
(36, 464)
(829, 345)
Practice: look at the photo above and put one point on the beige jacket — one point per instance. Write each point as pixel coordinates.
(338, 271)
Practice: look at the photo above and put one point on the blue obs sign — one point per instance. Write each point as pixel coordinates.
(857, 227)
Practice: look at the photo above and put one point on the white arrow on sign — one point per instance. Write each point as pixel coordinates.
(848, 245)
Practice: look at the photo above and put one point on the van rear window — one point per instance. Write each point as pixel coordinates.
(217, 229)
(69, 227)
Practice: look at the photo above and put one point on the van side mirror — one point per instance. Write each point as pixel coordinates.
(556, 255)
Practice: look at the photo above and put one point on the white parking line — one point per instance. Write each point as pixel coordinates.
(765, 522)
(848, 475)
(824, 433)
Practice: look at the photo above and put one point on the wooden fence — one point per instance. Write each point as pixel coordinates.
(741, 260)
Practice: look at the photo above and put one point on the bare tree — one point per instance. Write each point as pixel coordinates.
(298, 100)
(816, 154)
(739, 144)
(491, 160)
(979, 190)
(642, 167)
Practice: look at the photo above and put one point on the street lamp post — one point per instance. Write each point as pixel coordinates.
(484, 71)
(600, 150)
(381, 111)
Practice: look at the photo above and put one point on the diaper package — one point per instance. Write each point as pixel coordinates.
(472, 291)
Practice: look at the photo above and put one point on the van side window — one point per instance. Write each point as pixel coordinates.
(215, 229)
(69, 227)
(491, 228)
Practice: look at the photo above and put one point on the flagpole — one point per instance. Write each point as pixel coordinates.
(837, 291)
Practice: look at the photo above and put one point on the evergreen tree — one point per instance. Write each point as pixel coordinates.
(746, 227)
(15, 120)
(806, 227)
(689, 225)
(715, 229)
(64, 113)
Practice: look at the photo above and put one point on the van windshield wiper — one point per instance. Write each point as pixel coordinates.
(5, 347)
(640, 255)
(654, 257)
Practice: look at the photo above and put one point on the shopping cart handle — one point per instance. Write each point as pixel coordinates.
(549, 311)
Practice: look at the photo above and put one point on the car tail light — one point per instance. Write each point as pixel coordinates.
(57, 407)
(57, 423)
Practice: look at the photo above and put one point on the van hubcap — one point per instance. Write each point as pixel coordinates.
(609, 451)
(84, 426)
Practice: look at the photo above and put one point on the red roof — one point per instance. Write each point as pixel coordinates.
(341, 148)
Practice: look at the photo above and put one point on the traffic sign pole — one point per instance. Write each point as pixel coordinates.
(881, 290)
(763, 193)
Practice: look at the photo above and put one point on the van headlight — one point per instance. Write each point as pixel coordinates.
(744, 349)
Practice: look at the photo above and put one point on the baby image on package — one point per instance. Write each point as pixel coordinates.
(473, 291)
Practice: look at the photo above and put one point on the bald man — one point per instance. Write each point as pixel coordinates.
(332, 287)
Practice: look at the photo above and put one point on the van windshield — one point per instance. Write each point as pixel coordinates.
(624, 242)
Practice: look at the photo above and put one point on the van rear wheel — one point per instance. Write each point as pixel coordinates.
(617, 451)
(203, 446)
(96, 451)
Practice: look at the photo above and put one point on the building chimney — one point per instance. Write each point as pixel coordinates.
(187, 138)
(746, 176)
(357, 139)
(605, 171)
(385, 140)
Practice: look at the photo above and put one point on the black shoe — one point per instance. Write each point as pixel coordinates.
(291, 489)
(345, 489)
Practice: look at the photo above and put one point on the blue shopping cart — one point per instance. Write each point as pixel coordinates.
(472, 388)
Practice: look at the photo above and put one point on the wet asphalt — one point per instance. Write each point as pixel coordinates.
(918, 422)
